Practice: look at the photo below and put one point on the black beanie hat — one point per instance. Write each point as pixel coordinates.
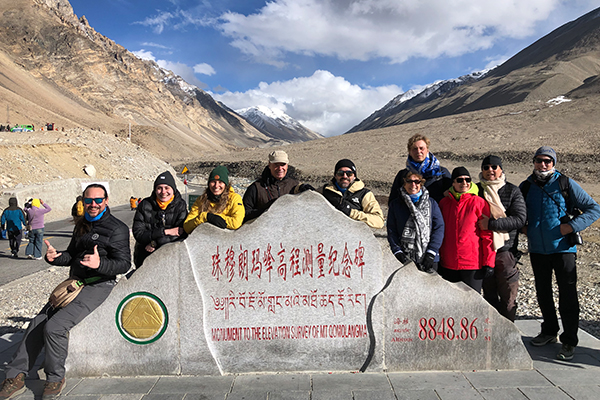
(492, 160)
(345, 163)
(460, 171)
(165, 179)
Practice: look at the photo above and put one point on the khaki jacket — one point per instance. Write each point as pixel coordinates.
(367, 211)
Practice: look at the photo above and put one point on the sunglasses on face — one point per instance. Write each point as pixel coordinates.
(546, 161)
(97, 200)
(461, 180)
(342, 173)
(486, 167)
(414, 181)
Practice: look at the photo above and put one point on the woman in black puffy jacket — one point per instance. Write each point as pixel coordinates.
(159, 218)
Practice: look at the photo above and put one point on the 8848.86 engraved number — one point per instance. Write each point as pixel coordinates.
(446, 330)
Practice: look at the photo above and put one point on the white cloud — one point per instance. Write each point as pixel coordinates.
(323, 102)
(205, 69)
(144, 55)
(181, 69)
(158, 23)
(152, 44)
(391, 29)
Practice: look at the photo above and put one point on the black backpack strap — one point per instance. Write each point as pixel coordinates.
(565, 188)
(525, 188)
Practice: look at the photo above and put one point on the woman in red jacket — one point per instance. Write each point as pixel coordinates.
(467, 253)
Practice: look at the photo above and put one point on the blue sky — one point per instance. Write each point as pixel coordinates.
(327, 63)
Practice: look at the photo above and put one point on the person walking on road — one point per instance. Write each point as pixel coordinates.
(35, 219)
(13, 220)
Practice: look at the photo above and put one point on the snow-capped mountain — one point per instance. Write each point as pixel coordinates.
(277, 124)
(413, 97)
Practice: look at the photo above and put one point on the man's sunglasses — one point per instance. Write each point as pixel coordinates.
(542, 160)
(342, 173)
(486, 167)
(97, 200)
(461, 180)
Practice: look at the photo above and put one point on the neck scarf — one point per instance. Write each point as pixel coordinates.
(542, 177)
(490, 193)
(417, 231)
(473, 189)
(96, 218)
(212, 197)
(430, 167)
(415, 197)
(163, 204)
(339, 188)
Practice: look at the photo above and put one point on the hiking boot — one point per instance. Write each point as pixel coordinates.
(542, 339)
(566, 352)
(12, 387)
(52, 389)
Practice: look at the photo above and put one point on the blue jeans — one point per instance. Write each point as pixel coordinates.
(36, 241)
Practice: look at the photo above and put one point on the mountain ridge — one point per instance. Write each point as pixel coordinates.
(57, 68)
(554, 65)
(277, 124)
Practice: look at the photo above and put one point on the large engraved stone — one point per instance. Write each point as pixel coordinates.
(302, 288)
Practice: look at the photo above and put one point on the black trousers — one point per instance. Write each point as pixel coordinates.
(500, 290)
(564, 267)
(471, 277)
(14, 239)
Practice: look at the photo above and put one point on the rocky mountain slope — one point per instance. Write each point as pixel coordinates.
(57, 68)
(559, 63)
(277, 124)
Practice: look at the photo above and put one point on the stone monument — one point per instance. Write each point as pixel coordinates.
(302, 288)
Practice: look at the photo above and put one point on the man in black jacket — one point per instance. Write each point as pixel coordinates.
(509, 214)
(272, 184)
(98, 251)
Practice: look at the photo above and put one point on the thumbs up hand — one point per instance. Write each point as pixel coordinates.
(51, 253)
(92, 260)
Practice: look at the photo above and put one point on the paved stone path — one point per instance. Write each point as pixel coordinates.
(550, 379)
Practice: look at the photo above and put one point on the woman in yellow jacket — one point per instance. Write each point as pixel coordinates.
(219, 205)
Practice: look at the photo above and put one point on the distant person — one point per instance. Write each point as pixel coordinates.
(422, 161)
(35, 211)
(273, 183)
(159, 218)
(415, 225)
(98, 251)
(77, 209)
(349, 195)
(557, 209)
(508, 214)
(467, 254)
(220, 205)
(13, 220)
(133, 202)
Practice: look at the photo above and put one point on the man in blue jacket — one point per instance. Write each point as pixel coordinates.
(552, 245)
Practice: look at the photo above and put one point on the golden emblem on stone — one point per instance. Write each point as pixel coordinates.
(142, 318)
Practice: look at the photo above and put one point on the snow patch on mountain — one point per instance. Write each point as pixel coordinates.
(276, 122)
